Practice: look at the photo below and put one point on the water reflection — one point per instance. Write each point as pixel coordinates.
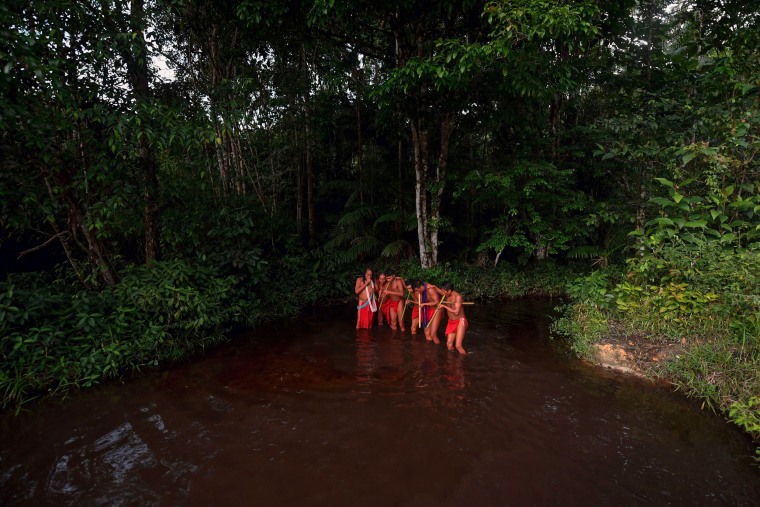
(366, 356)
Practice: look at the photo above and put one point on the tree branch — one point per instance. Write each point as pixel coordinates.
(43, 245)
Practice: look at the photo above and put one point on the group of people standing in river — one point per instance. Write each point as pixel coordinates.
(389, 295)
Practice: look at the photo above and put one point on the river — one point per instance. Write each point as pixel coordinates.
(314, 412)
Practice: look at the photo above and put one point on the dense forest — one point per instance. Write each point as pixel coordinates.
(172, 167)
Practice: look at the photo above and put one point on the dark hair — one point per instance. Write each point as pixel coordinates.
(408, 281)
(416, 284)
(447, 286)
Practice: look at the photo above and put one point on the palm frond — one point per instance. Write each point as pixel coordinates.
(584, 252)
(351, 219)
(395, 248)
(365, 245)
(393, 216)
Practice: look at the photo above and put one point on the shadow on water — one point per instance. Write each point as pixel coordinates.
(315, 412)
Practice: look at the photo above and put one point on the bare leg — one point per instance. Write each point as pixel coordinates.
(461, 329)
(450, 340)
(432, 329)
(415, 325)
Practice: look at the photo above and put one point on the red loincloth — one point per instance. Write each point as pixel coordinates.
(386, 309)
(426, 312)
(452, 326)
(365, 317)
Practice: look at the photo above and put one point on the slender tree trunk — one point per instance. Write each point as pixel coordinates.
(420, 141)
(138, 75)
(219, 150)
(92, 245)
(429, 187)
(440, 174)
(310, 178)
(359, 148)
(297, 163)
(554, 119)
(400, 156)
(309, 152)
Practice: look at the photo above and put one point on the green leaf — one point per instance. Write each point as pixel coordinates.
(662, 201)
(665, 182)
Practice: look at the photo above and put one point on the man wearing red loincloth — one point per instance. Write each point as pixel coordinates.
(364, 288)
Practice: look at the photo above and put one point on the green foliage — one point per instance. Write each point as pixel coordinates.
(232, 245)
(593, 289)
(515, 22)
(585, 318)
(726, 215)
(584, 325)
(54, 339)
(363, 233)
(697, 260)
(503, 280)
(189, 302)
(537, 208)
(747, 415)
(695, 279)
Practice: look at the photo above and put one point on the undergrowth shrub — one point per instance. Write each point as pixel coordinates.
(53, 338)
(694, 279)
(502, 280)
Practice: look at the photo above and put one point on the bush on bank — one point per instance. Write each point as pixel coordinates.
(546, 278)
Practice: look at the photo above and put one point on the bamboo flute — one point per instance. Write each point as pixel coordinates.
(403, 310)
(385, 292)
(419, 305)
(435, 312)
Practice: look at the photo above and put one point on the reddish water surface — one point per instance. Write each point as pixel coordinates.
(316, 413)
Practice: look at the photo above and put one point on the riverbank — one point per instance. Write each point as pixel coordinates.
(711, 355)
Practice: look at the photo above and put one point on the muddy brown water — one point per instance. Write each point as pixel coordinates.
(313, 412)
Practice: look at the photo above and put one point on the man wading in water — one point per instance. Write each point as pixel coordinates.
(457, 325)
(426, 296)
(394, 293)
(365, 289)
(382, 285)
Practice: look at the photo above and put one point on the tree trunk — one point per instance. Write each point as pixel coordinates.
(138, 76)
(420, 141)
(297, 163)
(359, 148)
(429, 190)
(440, 174)
(77, 224)
(554, 119)
(309, 150)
